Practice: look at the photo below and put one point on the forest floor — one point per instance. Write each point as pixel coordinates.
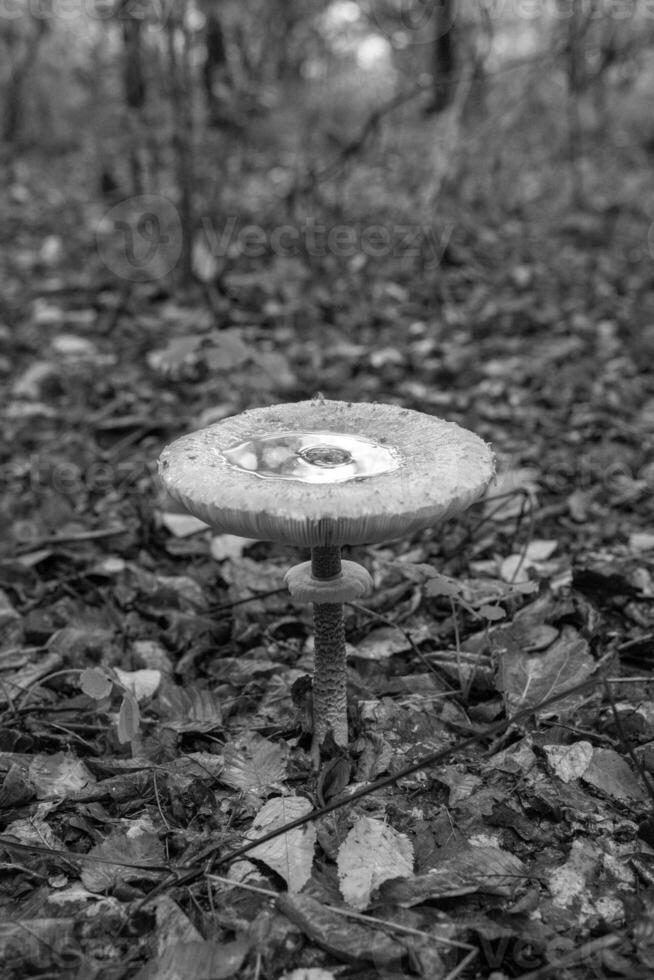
(151, 671)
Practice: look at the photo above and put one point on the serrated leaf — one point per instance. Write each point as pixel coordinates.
(290, 854)
(95, 683)
(371, 853)
(190, 709)
(139, 845)
(254, 765)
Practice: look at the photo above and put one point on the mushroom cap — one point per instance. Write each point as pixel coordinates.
(327, 472)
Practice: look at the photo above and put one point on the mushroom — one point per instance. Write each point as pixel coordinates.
(321, 474)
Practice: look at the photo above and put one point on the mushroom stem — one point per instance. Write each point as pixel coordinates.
(326, 561)
(329, 677)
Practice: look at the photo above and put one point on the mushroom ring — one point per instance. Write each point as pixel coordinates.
(321, 474)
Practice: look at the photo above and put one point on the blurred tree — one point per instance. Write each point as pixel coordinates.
(216, 74)
(21, 38)
(594, 45)
(135, 88)
(135, 94)
(444, 56)
(180, 90)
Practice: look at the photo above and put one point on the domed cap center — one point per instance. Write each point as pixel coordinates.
(312, 457)
(325, 455)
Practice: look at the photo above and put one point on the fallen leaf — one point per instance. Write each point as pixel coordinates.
(192, 709)
(371, 853)
(58, 775)
(95, 683)
(141, 683)
(608, 772)
(309, 973)
(28, 944)
(202, 960)
(290, 854)
(129, 719)
(569, 762)
(461, 784)
(182, 525)
(254, 764)
(525, 679)
(346, 940)
(138, 845)
(641, 541)
(229, 546)
(473, 869)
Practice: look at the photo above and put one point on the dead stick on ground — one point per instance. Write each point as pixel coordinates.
(193, 872)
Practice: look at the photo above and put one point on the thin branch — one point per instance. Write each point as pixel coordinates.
(192, 872)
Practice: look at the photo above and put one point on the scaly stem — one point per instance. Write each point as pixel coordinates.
(329, 676)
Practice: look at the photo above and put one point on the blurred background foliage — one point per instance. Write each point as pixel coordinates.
(263, 106)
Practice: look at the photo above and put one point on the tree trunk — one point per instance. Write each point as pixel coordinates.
(135, 91)
(574, 74)
(181, 99)
(444, 58)
(133, 76)
(20, 71)
(215, 69)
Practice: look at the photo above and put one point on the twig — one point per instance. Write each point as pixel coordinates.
(349, 914)
(192, 872)
(249, 598)
(460, 967)
(470, 532)
(72, 858)
(405, 633)
(72, 538)
(185, 874)
(310, 179)
(625, 742)
(23, 680)
(575, 956)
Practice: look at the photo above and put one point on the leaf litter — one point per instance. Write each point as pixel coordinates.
(153, 708)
